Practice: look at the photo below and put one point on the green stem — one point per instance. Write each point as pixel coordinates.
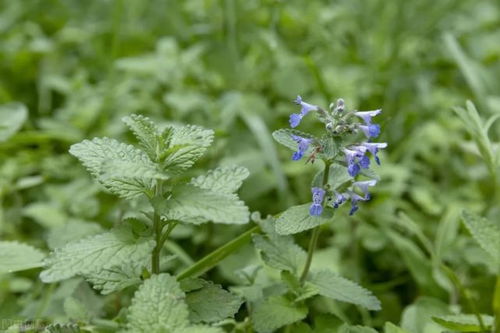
(315, 233)
(465, 294)
(211, 260)
(496, 305)
(157, 228)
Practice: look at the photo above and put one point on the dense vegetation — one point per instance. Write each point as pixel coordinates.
(201, 85)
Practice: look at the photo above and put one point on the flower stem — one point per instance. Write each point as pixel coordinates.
(315, 233)
(496, 305)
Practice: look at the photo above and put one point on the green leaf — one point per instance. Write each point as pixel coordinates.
(276, 312)
(15, 257)
(284, 137)
(158, 306)
(391, 328)
(199, 329)
(188, 143)
(463, 322)
(485, 232)
(96, 253)
(222, 180)
(192, 204)
(211, 303)
(115, 278)
(12, 118)
(72, 231)
(62, 328)
(330, 285)
(123, 169)
(297, 219)
(280, 252)
(148, 134)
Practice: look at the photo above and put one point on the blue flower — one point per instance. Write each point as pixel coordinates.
(363, 186)
(303, 144)
(295, 118)
(317, 197)
(354, 202)
(371, 130)
(355, 159)
(340, 198)
(373, 148)
(367, 115)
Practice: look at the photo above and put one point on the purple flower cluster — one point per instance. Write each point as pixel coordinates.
(339, 123)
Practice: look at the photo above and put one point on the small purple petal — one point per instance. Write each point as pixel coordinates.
(364, 162)
(297, 156)
(305, 107)
(371, 131)
(367, 115)
(353, 169)
(315, 210)
(295, 119)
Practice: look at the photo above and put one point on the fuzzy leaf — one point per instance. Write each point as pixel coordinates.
(147, 133)
(96, 253)
(62, 328)
(123, 169)
(211, 303)
(280, 252)
(297, 218)
(188, 143)
(284, 137)
(158, 306)
(12, 118)
(222, 179)
(192, 204)
(330, 285)
(485, 232)
(115, 278)
(276, 312)
(463, 322)
(15, 257)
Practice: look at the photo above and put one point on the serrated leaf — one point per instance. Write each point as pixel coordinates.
(96, 253)
(116, 278)
(123, 169)
(211, 303)
(276, 312)
(158, 306)
(187, 144)
(12, 118)
(284, 137)
(280, 252)
(16, 256)
(485, 232)
(147, 133)
(74, 230)
(222, 179)
(333, 286)
(297, 219)
(62, 328)
(192, 204)
(463, 322)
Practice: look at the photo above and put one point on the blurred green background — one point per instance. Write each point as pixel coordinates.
(235, 66)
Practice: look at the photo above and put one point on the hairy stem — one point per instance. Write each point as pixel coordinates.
(157, 228)
(315, 233)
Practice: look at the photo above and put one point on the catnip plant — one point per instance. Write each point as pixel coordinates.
(153, 178)
(344, 148)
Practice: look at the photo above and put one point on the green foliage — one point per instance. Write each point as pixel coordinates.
(15, 256)
(159, 306)
(211, 303)
(95, 254)
(485, 232)
(276, 312)
(280, 252)
(12, 118)
(330, 285)
(192, 204)
(297, 219)
(463, 322)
